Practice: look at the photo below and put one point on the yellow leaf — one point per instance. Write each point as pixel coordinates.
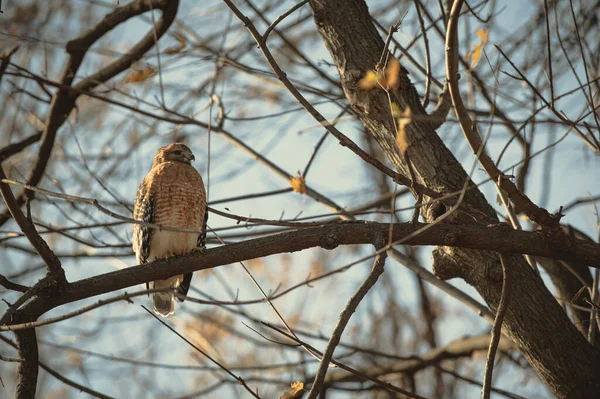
(392, 73)
(137, 75)
(297, 386)
(403, 121)
(298, 184)
(370, 80)
(295, 391)
(483, 35)
(387, 79)
(396, 111)
(475, 55)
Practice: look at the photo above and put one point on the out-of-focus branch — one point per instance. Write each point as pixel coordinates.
(463, 347)
(9, 285)
(14, 148)
(239, 379)
(6, 60)
(53, 263)
(57, 375)
(63, 101)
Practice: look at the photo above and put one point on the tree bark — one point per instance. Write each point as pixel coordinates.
(561, 356)
(28, 367)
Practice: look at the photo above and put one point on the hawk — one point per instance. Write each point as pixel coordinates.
(172, 195)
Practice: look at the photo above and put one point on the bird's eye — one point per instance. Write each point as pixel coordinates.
(177, 152)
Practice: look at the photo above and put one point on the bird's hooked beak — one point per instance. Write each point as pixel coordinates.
(191, 157)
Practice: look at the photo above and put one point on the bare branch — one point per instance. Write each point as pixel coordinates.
(349, 309)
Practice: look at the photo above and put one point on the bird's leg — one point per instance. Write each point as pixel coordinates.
(202, 249)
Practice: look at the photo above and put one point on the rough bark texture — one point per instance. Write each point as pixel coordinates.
(568, 279)
(28, 368)
(535, 322)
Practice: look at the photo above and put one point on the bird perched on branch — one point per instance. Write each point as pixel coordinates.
(171, 195)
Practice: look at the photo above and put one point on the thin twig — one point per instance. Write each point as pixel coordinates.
(85, 309)
(239, 379)
(266, 297)
(361, 292)
(283, 16)
(344, 140)
(425, 101)
(60, 377)
(54, 266)
(384, 384)
(497, 327)
(9, 285)
(558, 114)
(535, 213)
(550, 74)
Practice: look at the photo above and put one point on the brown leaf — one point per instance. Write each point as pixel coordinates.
(182, 43)
(137, 75)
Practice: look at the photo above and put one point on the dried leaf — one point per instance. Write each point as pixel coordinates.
(297, 386)
(392, 73)
(182, 42)
(396, 111)
(137, 75)
(298, 184)
(483, 35)
(475, 54)
(369, 81)
(175, 49)
(387, 79)
(403, 121)
(180, 37)
(295, 392)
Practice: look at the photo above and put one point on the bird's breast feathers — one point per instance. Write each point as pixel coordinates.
(179, 198)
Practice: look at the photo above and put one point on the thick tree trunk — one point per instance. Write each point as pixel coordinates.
(535, 322)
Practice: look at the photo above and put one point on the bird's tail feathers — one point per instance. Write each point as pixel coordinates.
(164, 302)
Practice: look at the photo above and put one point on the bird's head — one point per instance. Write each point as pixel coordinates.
(176, 152)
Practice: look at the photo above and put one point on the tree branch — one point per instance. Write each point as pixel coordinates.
(336, 336)
(63, 101)
(463, 347)
(52, 262)
(521, 201)
(329, 236)
(497, 327)
(28, 369)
